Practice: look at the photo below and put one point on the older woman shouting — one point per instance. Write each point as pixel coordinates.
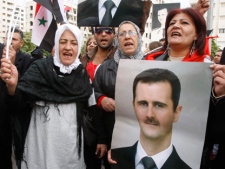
(186, 32)
(185, 37)
(129, 47)
(53, 94)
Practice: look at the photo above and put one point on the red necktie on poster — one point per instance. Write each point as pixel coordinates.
(109, 4)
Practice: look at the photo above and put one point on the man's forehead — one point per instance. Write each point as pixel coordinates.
(164, 86)
(150, 83)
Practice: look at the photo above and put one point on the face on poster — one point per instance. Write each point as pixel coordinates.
(188, 132)
(92, 12)
(159, 15)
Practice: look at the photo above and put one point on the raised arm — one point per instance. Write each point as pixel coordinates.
(202, 6)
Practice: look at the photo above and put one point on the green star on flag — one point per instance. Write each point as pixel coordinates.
(42, 21)
(44, 24)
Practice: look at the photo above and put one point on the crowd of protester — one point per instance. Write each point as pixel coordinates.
(43, 100)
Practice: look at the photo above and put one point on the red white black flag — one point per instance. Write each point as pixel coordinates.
(48, 14)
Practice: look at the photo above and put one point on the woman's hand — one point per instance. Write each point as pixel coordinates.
(110, 160)
(218, 79)
(9, 75)
(202, 6)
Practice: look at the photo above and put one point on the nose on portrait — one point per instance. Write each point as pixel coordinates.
(150, 113)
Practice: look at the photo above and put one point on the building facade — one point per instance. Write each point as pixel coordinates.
(6, 10)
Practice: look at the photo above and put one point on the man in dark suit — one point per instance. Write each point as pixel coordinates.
(22, 61)
(156, 94)
(91, 12)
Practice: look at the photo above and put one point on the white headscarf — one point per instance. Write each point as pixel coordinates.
(77, 33)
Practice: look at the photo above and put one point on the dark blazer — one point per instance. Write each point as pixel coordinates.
(125, 158)
(22, 62)
(131, 10)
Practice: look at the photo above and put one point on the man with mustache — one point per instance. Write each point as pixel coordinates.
(156, 94)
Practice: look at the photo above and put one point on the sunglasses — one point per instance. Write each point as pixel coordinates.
(108, 31)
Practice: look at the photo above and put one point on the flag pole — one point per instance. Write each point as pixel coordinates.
(10, 33)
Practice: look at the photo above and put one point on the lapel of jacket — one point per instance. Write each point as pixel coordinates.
(125, 157)
(131, 155)
(173, 161)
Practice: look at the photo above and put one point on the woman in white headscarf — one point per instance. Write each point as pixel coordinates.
(53, 94)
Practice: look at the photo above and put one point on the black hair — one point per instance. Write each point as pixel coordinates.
(160, 75)
(17, 30)
(219, 50)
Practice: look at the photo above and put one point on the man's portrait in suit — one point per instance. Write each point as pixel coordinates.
(156, 94)
(159, 15)
(112, 12)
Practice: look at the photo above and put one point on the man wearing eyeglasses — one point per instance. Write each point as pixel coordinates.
(93, 12)
(104, 50)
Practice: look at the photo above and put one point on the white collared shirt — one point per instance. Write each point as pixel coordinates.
(101, 8)
(159, 158)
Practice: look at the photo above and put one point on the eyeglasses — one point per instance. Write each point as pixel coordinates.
(130, 33)
(108, 31)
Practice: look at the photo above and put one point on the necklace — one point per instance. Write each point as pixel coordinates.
(177, 59)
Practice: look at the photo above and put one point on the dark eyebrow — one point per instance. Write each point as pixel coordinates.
(158, 102)
(141, 101)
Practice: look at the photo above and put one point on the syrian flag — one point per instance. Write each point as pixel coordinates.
(44, 28)
(55, 7)
(45, 24)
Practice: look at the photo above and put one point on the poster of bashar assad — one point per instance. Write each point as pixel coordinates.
(161, 110)
(159, 14)
(112, 12)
